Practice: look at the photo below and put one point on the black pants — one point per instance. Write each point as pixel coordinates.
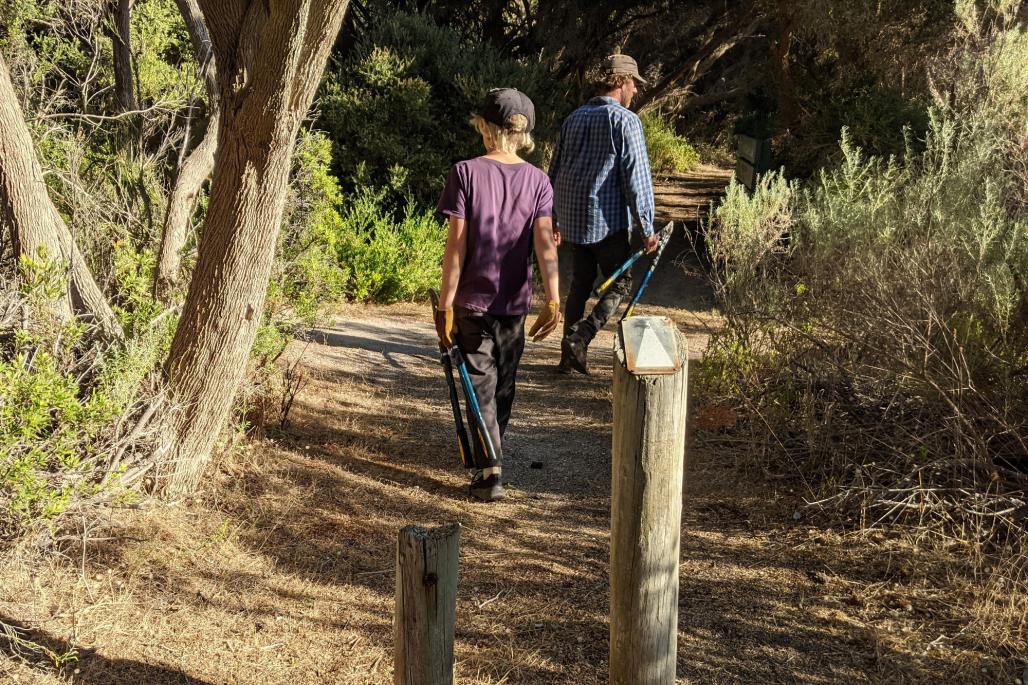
(492, 347)
(605, 256)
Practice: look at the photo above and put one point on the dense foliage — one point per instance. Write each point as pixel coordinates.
(72, 414)
(397, 105)
(796, 71)
(358, 248)
(877, 315)
(669, 152)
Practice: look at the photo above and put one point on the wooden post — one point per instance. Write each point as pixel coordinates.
(646, 507)
(426, 605)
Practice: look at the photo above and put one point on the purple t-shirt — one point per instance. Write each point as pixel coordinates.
(500, 203)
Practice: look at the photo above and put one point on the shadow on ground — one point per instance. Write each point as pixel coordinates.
(297, 551)
(33, 646)
(370, 450)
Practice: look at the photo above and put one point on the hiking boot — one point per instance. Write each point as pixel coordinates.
(576, 353)
(564, 366)
(487, 489)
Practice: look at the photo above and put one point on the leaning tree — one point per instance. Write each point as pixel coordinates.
(194, 168)
(269, 57)
(38, 231)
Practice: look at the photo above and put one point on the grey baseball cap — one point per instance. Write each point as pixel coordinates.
(503, 103)
(620, 65)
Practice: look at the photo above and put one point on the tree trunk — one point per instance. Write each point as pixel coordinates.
(37, 229)
(194, 173)
(197, 167)
(270, 56)
(709, 99)
(779, 47)
(493, 26)
(201, 40)
(121, 40)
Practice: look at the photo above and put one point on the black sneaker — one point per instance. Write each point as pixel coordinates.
(576, 353)
(487, 489)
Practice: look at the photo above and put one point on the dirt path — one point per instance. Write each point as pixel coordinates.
(284, 575)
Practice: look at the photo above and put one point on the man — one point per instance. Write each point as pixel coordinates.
(602, 189)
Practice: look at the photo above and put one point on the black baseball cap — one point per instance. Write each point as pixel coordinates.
(503, 103)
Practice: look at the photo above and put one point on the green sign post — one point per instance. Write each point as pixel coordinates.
(753, 158)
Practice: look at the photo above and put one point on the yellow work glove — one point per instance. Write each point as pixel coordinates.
(549, 318)
(445, 327)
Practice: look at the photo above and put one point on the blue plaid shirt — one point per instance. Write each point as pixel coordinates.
(601, 173)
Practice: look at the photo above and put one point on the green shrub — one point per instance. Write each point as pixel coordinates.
(669, 152)
(46, 430)
(58, 421)
(163, 57)
(64, 402)
(748, 233)
(389, 259)
(133, 277)
(877, 317)
(397, 107)
(357, 248)
(307, 276)
(874, 115)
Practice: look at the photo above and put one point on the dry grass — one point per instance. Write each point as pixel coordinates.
(284, 575)
(283, 572)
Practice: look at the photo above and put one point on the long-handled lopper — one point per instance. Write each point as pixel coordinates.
(663, 236)
(447, 358)
(473, 406)
(463, 444)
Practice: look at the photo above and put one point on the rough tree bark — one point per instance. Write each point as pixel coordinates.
(196, 168)
(195, 171)
(201, 40)
(270, 56)
(121, 40)
(779, 47)
(36, 228)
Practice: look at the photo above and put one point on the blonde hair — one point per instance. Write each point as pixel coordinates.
(510, 138)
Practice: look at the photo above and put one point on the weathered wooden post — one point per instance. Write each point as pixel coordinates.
(650, 384)
(426, 605)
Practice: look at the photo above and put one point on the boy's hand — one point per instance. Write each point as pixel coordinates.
(445, 327)
(549, 318)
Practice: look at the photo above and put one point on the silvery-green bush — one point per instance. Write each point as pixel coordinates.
(877, 315)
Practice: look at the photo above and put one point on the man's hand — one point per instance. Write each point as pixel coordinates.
(445, 327)
(650, 242)
(549, 318)
(556, 236)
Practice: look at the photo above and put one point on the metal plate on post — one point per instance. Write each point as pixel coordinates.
(650, 344)
(748, 148)
(745, 173)
(756, 151)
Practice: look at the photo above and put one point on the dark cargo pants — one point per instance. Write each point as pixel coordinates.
(492, 347)
(605, 256)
